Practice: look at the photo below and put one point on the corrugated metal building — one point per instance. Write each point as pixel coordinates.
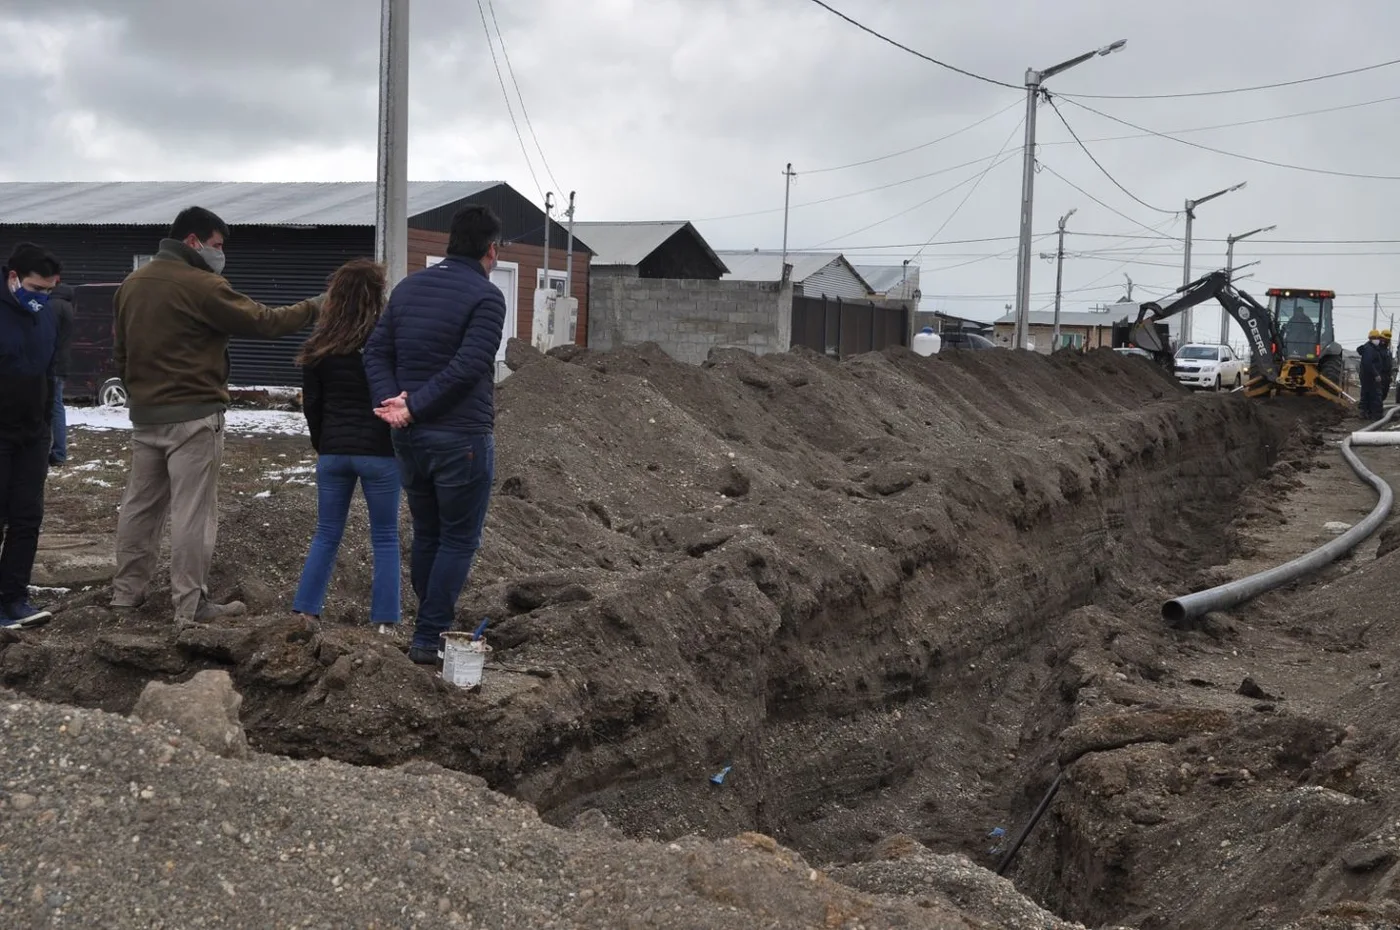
(814, 274)
(286, 240)
(652, 249)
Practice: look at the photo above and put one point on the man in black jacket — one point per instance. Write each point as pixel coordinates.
(63, 311)
(28, 340)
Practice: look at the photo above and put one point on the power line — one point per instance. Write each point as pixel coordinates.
(506, 94)
(922, 145)
(1054, 106)
(1237, 124)
(1237, 90)
(521, 97)
(868, 190)
(971, 191)
(916, 54)
(1260, 161)
(1096, 200)
(923, 203)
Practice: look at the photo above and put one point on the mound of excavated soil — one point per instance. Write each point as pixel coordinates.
(842, 581)
(110, 823)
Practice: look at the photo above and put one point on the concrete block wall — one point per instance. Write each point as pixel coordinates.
(687, 317)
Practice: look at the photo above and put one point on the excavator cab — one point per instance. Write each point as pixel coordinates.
(1306, 344)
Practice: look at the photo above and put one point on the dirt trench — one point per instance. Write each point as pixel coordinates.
(858, 589)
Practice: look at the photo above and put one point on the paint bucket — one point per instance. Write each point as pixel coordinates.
(463, 659)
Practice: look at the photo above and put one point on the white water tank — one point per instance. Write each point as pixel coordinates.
(926, 342)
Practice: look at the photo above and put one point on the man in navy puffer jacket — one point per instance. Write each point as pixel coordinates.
(432, 362)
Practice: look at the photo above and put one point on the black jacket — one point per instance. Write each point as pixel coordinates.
(339, 411)
(437, 340)
(27, 341)
(63, 310)
(1372, 360)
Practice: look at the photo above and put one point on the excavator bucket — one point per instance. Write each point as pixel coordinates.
(1145, 336)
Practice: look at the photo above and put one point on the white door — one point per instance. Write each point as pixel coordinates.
(506, 276)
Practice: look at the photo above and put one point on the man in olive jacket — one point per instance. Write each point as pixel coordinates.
(174, 317)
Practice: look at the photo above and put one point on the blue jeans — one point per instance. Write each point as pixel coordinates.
(447, 478)
(59, 453)
(336, 476)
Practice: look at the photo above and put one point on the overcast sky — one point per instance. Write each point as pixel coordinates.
(688, 109)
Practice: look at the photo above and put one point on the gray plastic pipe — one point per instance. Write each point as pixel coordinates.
(1222, 597)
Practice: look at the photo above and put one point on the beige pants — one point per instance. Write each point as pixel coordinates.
(174, 472)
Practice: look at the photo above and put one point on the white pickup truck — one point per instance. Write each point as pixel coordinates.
(1210, 366)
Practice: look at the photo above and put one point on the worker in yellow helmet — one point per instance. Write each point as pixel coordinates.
(1387, 365)
(1371, 370)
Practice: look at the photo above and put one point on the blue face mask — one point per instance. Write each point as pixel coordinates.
(34, 301)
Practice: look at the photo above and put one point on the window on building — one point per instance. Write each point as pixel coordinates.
(557, 280)
(138, 260)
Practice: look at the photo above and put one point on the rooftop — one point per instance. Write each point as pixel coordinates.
(1069, 318)
(768, 266)
(628, 244)
(155, 203)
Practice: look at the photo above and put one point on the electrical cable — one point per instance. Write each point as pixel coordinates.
(1237, 90)
(868, 190)
(1095, 199)
(971, 191)
(922, 145)
(1235, 125)
(916, 54)
(923, 203)
(1097, 164)
(521, 97)
(506, 94)
(1250, 158)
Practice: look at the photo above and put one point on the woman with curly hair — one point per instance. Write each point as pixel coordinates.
(352, 444)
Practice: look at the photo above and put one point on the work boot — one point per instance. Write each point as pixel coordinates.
(137, 605)
(22, 615)
(208, 611)
(421, 656)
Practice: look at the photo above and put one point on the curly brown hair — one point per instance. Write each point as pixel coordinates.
(354, 300)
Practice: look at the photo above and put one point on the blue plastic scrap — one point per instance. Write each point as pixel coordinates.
(718, 778)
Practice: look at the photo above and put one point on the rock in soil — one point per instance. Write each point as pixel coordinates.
(205, 709)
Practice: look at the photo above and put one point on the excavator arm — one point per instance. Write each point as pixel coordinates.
(1253, 318)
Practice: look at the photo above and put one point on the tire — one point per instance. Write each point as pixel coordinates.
(112, 393)
(1239, 379)
(1218, 385)
(1332, 369)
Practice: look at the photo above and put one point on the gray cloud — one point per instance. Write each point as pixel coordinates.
(690, 108)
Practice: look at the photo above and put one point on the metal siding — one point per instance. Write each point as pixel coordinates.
(273, 265)
(835, 280)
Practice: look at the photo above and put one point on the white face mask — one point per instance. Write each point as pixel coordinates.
(214, 258)
(1375, 342)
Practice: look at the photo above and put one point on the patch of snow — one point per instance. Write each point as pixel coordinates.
(262, 494)
(38, 589)
(260, 422)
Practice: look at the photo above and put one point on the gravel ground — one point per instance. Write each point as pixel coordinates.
(108, 822)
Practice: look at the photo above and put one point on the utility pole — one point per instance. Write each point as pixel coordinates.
(1191, 206)
(1129, 278)
(391, 180)
(788, 175)
(1230, 274)
(1034, 80)
(548, 210)
(569, 261)
(1376, 312)
(1059, 279)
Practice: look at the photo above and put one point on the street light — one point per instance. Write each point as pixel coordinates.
(1191, 206)
(1023, 262)
(1229, 273)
